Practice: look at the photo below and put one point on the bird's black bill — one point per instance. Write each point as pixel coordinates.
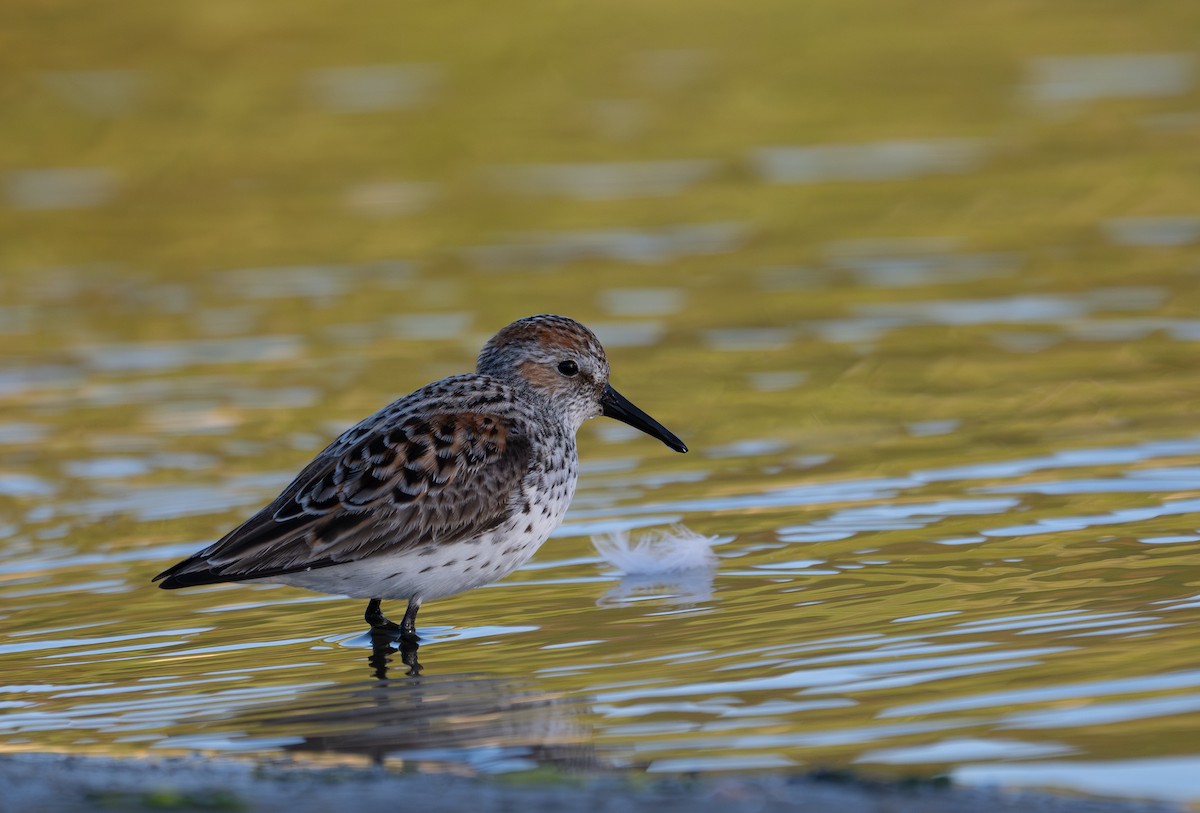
(615, 405)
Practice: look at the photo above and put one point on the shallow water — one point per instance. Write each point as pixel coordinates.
(936, 366)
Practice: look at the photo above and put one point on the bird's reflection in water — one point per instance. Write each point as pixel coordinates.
(385, 647)
(476, 722)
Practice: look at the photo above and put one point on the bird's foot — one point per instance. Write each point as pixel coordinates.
(406, 630)
(381, 625)
(390, 629)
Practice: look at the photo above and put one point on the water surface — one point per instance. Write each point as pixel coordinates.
(927, 318)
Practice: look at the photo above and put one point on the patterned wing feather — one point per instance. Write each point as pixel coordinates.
(428, 479)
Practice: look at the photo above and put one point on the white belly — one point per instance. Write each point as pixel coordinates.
(437, 569)
(430, 572)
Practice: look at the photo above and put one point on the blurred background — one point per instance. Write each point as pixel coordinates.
(916, 282)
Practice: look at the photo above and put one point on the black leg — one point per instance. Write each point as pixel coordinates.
(378, 621)
(408, 626)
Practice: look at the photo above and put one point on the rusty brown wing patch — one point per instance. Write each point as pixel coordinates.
(428, 479)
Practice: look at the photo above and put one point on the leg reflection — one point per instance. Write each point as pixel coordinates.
(384, 646)
(470, 720)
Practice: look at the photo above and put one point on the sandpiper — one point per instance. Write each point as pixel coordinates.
(451, 487)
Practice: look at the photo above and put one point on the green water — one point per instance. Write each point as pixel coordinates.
(917, 284)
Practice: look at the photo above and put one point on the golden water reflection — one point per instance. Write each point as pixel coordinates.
(917, 289)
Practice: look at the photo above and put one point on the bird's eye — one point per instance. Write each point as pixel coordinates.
(568, 367)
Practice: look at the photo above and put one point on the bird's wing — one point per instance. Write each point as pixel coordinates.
(428, 479)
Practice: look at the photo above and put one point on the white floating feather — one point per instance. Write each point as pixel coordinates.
(677, 549)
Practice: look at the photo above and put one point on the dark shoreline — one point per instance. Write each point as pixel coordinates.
(63, 783)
